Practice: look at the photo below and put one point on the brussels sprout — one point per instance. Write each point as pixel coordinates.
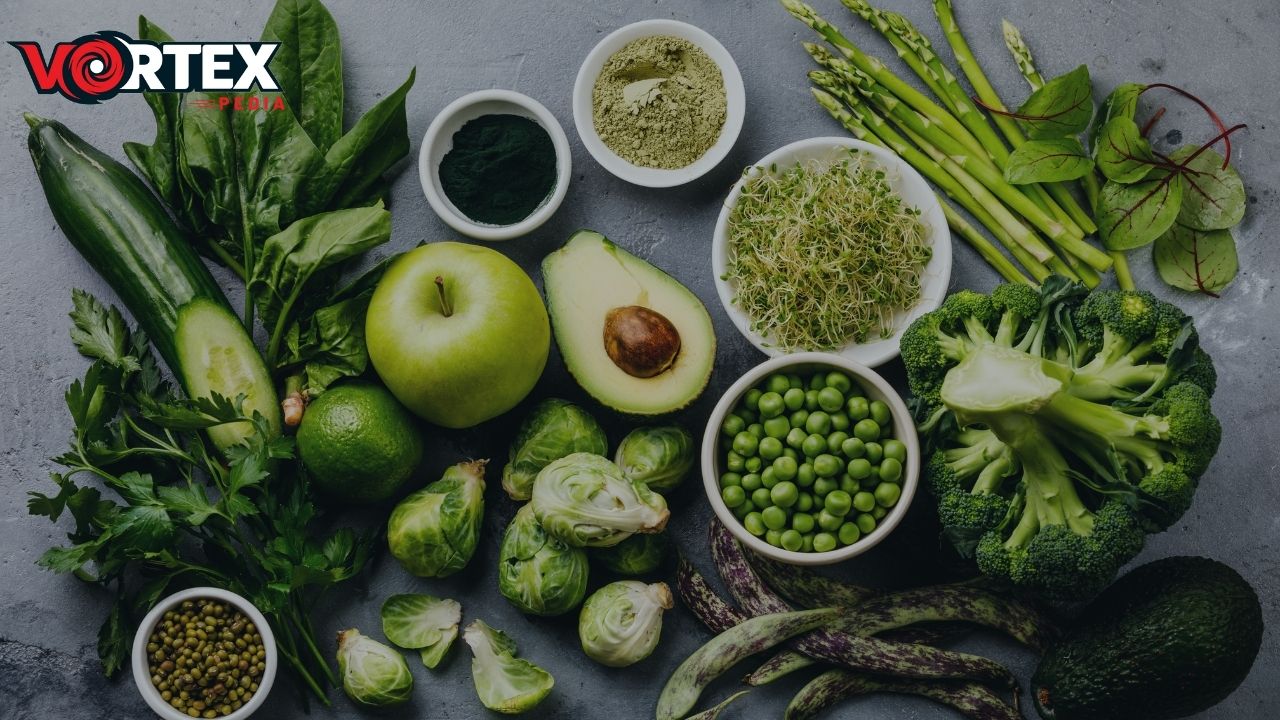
(637, 555)
(621, 622)
(660, 457)
(554, 429)
(423, 623)
(585, 501)
(504, 682)
(539, 574)
(434, 531)
(372, 673)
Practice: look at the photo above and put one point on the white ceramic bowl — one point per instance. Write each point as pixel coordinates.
(913, 189)
(584, 86)
(876, 388)
(142, 675)
(439, 141)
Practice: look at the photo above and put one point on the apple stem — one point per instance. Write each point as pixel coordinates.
(444, 301)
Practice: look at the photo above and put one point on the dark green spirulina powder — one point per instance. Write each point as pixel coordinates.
(500, 169)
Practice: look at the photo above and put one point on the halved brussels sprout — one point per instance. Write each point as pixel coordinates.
(585, 501)
(434, 531)
(537, 573)
(660, 457)
(554, 429)
(620, 624)
(637, 555)
(421, 622)
(504, 682)
(372, 673)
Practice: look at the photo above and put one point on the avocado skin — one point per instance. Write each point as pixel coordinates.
(1170, 639)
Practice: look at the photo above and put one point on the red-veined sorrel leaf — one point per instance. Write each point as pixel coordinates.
(1196, 260)
(1048, 161)
(1213, 196)
(1122, 102)
(1131, 216)
(1122, 153)
(1061, 107)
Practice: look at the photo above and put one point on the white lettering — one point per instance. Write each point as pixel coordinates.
(255, 69)
(211, 66)
(147, 59)
(181, 54)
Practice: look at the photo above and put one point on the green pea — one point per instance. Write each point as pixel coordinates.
(835, 441)
(813, 446)
(770, 448)
(773, 537)
(829, 521)
(839, 381)
(866, 523)
(793, 399)
(754, 523)
(895, 449)
(824, 542)
(771, 405)
(774, 517)
(827, 466)
(808, 544)
(795, 381)
(849, 485)
(777, 427)
(733, 425)
(785, 468)
(858, 408)
(784, 494)
(805, 502)
(887, 494)
(802, 522)
(733, 496)
(859, 468)
(751, 400)
(753, 464)
(879, 512)
(864, 502)
(817, 382)
(768, 477)
(849, 533)
(745, 444)
(805, 475)
(795, 438)
(853, 448)
(756, 429)
(777, 383)
(799, 418)
(830, 399)
(730, 479)
(890, 470)
(791, 453)
(870, 482)
(811, 400)
(837, 502)
(733, 462)
(840, 421)
(819, 422)
(743, 510)
(822, 486)
(748, 416)
(760, 496)
(752, 482)
(867, 430)
(880, 412)
(792, 540)
(875, 453)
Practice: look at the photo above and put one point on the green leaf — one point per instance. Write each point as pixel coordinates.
(208, 159)
(71, 558)
(1131, 216)
(1123, 155)
(136, 489)
(282, 170)
(1197, 260)
(184, 414)
(100, 332)
(378, 140)
(1061, 107)
(308, 66)
(1214, 198)
(1122, 102)
(144, 528)
(330, 345)
(1053, 160)
(114, 639)
(190, 501)
(94, 401)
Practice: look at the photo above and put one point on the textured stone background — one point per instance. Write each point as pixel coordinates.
(1225, 50)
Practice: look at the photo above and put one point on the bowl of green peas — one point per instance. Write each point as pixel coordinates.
(810, 459)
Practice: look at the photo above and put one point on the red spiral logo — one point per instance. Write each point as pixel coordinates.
(95, 69)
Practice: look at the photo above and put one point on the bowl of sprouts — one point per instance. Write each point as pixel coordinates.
(830, 245)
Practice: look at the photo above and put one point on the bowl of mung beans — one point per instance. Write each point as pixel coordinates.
(204, 653)
(810, 459)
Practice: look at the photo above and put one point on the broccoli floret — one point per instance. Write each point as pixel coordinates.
(1079, 424)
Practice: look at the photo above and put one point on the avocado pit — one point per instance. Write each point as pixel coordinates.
(643, 343)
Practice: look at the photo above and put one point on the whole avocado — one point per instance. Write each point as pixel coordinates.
(1170, 639)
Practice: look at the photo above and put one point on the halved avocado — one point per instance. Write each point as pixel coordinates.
(631, 335)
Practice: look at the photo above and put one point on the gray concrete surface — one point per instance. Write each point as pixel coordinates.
(1225, 50)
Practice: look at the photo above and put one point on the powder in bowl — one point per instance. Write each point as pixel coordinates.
(659, 102)
(500, 169)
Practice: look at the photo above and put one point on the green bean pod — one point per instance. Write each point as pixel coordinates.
(714, 712)
(970, 699)
(943, 603)
(780, 665)
(727, 649)
(806, 588)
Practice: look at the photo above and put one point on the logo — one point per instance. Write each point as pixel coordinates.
(97, 67)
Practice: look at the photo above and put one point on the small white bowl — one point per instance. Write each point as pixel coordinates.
(876, 388)
(584, 87)
(142, 675)
(914, 191)
(439, 141)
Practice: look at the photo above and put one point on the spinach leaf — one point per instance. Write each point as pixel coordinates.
(1214, 198)
(158, 162)
(1051, 160)
(308, 66)
(278, 167)
(1061, 107)
(379, 140)
(207, 160)
(1197, 260)
(1123, 155)
(1131, 216)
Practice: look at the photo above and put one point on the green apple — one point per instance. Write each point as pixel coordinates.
(457, 332)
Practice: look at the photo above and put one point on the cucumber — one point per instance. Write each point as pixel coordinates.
(115, 222)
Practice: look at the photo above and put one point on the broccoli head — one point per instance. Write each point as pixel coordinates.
(1077, 423)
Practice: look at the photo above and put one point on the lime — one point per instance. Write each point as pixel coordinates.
(358, 444)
